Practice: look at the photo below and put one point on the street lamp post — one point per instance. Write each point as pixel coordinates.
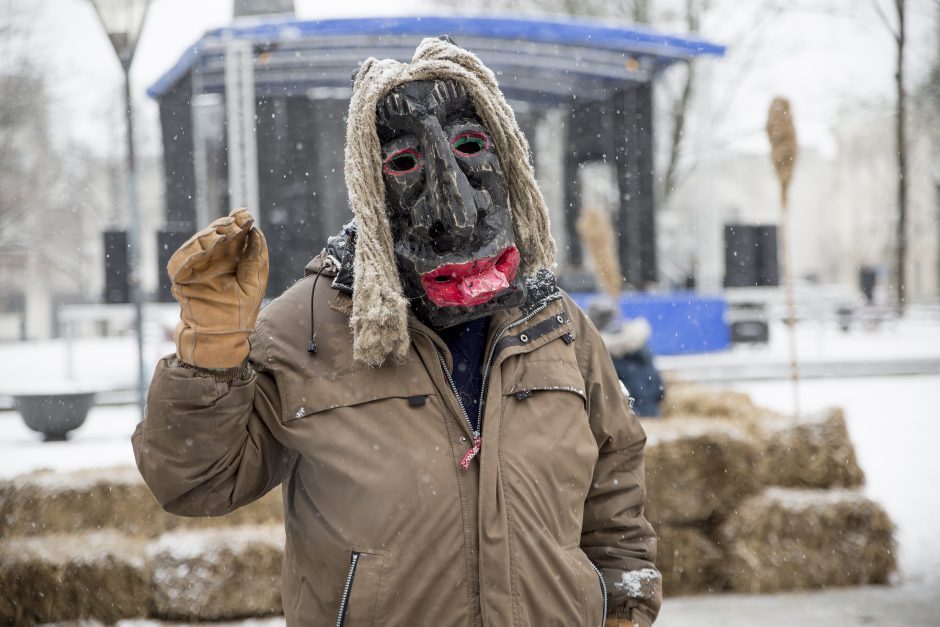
(123, 20)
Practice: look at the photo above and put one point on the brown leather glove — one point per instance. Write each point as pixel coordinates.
(618, 622)
(219, 276)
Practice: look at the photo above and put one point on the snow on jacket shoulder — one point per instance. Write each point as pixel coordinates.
(383, 524)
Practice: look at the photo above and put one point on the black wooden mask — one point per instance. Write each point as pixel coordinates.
(447, 204)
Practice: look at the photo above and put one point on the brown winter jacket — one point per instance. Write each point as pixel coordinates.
(383, 526)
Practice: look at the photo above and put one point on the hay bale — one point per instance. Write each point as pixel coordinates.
(786, 539)
(813, 451)
(217, 574)
(114, 498)
(98, 575)
(70, 502)
(689, 561)
(689, 399)
(697, 469)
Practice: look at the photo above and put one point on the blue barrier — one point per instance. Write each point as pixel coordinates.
(682, 322)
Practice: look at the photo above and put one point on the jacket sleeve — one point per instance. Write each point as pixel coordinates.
(207, 444)
(615, 534)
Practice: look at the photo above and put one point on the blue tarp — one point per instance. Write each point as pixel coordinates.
(682, 322)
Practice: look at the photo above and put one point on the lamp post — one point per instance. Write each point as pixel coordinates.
(123, 21)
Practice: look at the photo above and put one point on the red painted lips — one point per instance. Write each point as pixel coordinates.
(473, 282)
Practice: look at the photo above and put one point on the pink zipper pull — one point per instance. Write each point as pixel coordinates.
(470, 454)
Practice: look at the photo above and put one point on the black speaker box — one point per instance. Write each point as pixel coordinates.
(167, 244)
(116, 271)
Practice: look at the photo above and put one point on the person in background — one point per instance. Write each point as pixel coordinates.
(628, 344)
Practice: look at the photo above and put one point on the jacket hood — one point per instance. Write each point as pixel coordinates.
(629, 338)
(380, 308)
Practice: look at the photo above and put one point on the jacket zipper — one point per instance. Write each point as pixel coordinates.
(453, 387)
(344, 600)
(477, 437)
(489, 359)
(600, 578)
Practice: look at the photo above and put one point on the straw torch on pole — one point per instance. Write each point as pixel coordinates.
(783, 151)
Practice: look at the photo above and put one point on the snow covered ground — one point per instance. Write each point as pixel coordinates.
(104, 440)
(894, 422)
(823, 351)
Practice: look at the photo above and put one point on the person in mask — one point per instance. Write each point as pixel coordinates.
(446, 426)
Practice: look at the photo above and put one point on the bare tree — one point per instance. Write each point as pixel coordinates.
(898, 32)
(47, 187)
(680, 105)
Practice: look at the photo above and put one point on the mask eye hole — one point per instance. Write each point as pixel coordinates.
(470, 143)
(402, 162)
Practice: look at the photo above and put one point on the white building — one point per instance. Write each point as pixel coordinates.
(843, 209)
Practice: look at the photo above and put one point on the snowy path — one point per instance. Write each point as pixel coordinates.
(823, 351)
(907, 605)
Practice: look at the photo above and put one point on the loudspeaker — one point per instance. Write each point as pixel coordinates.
(740, 256)
(767, 267)
(167, 243)
(750, 255)
(116, 271)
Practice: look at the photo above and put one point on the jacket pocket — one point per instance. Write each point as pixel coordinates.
(359, 602)
(546, 376)
(595, 590)
(310, 397)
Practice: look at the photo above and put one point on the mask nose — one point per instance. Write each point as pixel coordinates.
(451, 209)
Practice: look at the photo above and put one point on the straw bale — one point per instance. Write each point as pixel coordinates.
(688, 559)
(689, 399)
(813, 451)
(115, 498)
(785, 539)
(697, 469)
(98, 575)
(217, 574)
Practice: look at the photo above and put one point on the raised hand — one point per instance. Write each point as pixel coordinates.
(218, 277)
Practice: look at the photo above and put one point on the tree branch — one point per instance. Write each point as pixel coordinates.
(678, 129)
(886, 21)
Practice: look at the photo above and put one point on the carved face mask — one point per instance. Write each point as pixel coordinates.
(447, 205)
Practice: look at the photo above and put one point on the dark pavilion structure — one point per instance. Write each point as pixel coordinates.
(254, 115)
